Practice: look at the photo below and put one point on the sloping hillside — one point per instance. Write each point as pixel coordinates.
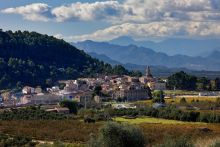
(29, 58)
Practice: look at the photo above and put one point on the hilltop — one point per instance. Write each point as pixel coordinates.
(30, 58)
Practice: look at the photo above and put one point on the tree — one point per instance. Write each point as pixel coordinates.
(97, 90)
(72, 105)
(183, 101)
(202, 83)
(58, 60)
(182, 81)
(149, 92)
(118, 135)
(158, 96)
(119, 70)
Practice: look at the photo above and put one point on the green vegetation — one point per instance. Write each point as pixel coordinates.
(30, 113)
(118, 135)
(183, 81)
(182, 141)
(169, 112)
(29, 58)
(158, 96)
(180, 92)
(10, 141)
(70, 131)
(217, 144)
(151, 120)
(97, 91)
(78, 133)
(71, 105)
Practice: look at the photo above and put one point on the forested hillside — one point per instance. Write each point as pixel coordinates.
(29, 58)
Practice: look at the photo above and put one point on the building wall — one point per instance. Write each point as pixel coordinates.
(133, 95)
(40, 99)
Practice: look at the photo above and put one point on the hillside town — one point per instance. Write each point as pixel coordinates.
(82, 90)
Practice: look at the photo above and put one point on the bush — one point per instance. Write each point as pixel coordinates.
(30, 113)
(182, 141)
(118, 135)
(89, 120)
(72, 105)
(102, 116)
(217, 144)
(183, 101)
(8, 141)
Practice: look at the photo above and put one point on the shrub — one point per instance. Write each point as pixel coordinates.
(118, 135)
(217, 144)
(102, 116)
(89, 120)
(183, 101)
(182, 141)
(72, 105)
(30, 113)
(7, 141)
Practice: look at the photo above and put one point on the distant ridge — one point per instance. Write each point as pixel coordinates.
(174, 46)
(146, 56)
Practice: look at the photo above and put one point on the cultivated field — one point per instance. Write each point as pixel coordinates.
(74, 131)
(176, 100)
(151, 120)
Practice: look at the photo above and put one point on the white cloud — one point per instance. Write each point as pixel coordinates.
(136, 18)
(89, 11)
(32, 12)
(58, 36)
(126, 11)
(153, 30)
(162, 10)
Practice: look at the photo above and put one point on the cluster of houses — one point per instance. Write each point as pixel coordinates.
(82, 90)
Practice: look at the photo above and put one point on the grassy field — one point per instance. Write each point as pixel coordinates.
(189, 99)
(155, 128)
(176, 100)
(74, 131)
(156, 133)
(151, 120)
(180, 92)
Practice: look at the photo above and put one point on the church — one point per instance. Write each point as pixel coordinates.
(152, 82)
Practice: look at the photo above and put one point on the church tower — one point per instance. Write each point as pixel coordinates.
(148, 72)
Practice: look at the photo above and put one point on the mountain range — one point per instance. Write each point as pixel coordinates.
(174, 46)
(132, 54)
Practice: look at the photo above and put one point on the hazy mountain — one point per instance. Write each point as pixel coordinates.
(174, 46)
(104, 58)
(158, 71)
(145, 56)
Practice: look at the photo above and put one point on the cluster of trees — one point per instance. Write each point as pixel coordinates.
(35, 59)
(95, 115)
(7, 141)
(158, 96)
(118, 135)
(30, 113)
(184, 81)
(124, 135)
(71, 105)
(170, 112)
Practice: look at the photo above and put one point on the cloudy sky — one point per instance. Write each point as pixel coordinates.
(102, 20)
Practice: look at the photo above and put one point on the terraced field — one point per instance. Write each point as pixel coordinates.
(151, 120)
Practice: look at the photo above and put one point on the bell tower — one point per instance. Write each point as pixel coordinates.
(148, 72)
